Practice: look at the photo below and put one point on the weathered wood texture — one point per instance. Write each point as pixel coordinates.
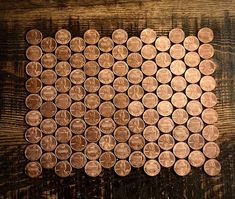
(16, 17)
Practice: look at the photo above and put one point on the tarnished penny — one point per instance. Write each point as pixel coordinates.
(164, 92)
(210, 133)
(77, 60)
(48, 44)
(119, 36)
(77, 44)
(193, 91)
(166, 142)
(48, 109)
(136, 142)
(122, 168)
(106, 60)
(192, 59)
(163, 75)
(33, 85)
(33, 135)
(78, 143)
(63, 68)
(209, 116)
(107, 125)
(34, 53)
(148, 35)
(191, 43)
(207, 67)
(176, 35)
(121, 134)
(151, 133)
(205, 35)
(105, 44)
(180, 133)
(78, 160)
(92, 151)
(63, 134)
(211, 150)
(179, 100)
(164, 108)
(33, 169)
(92, 134)
(63, 52)
(134, 44)
(106, 92)
(134, 60)
(122, 150)
(195, 124)
(121, 84)
(181, 150)
(196, 158)
(166, 159)
(91, 68)
(120, 68)
(206, 51)
(33, 152)
(207, 83)
(77, 93)
(48, 77)
(212, 167)
(150, 100)
(135, 92)
(34, 36)
(178, 83)
(182, 167)
(48, 60)
(48, 126)
(177, 51)
(162, 43)
(106, 76)
(196, 141)
(48, 160)
(48, 93)
(77, 126)
(194, 108)
(63, 151)
(63, 36)
(148, 52)
(136, 125)
(151, 150)
(121, 100)
(63, 169)
(33, 69)
(163, 59)
(107, 109)
(135, 76)
(137, 159)
(91, 36)
(92, 84)
(107, 160)
(63, 101)
(136, 108)
(180, 116)
(152, 167)
(192, 75)
(92, 117)
(93, 168)
(63, 117)
(177, 67)
(92, 101)
(92, 52)
(33, 118)
(62, 85)
(149, 84)
(107, 142)
(33, 101)
(150, 116)
(48, 143)
(149, 68)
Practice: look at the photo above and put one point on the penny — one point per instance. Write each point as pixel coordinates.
(48, 77)
(178, 83)
(33, 118)
(48, 44)
(148, 52)
(179, 100)
(106, 92)
(166, 142)
(119, 36)
(136, 125)
(135, 76)
(78, 143)
(48, 143)
(33, 135)
(181, 150)
(121, 100)
(182, 167)
(92, 52)
(121, 117)
(106, 76)
(92, 101)
(63, 134)
(48, 160)
(151, 133)
(205, 35)
(122, 168)
(136, 142)
(48, 126)
(106, 60)
(134, 60)
(33, 169)
(166, 159)
(63, 68)
(63, 101)
(63, 151)
(196, 158)
(163, 75)
(193, 91)
(120, 68)
(192, 75)
(33, 85)
(178, 67)
(34, 36)
(48, 60)
(63, 36)
(196, 141)
(149, 67)
(91, 36)
(151, 150)
(207, 67)
(135, 92)
(176, 35)
(180, 133)
(92, 134)
(91, 68)
(63, 169)
(165, 125)
(194, 108)
(33, 101)
(162, 43)
(150, 116)
(191, 43)
(195, 124)
(164, 108)
(121, 84)
(148, 35)
(77, 126)
(207, 83)
(77, 44)
(48, 109)
(177, 51)
(105, 44)
(63, 52)
(33, 53)
(78, 160)
(92, 84)
(33, 69)
(211, 150)
(120, 52)
(150, 100)
(134, 44)
(77, 60)
(77, 93)
(180, 116)
(107, 142)
(92, 117)
(149, 84)
(209, 116)
(92, 151)
(63, 117)
(210, 133)
(107, 160)
(121, 134)
(152, 167)
(164, 92)
(192, 59)
(163, 59)
(212, 167)
(137, 159)
(93, 168)
(136, 108)
(33, 152)
(63, 85)
(77, 109)
(206, 51)
(106, 109)
(122, 150)
(107, 125)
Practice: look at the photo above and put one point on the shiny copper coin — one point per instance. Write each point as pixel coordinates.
(163, 59)
(152, 167)
(120, 52)
(180, 116)
(107, 109)
(107, 125)
(162, 43)
(205, 35)
(78, 160)
(106, 76)
(63, 134)
(166, 159)
(48, 126)
(164, 92)
(150, 116)
(135, 92)
(195, 124)
(91, 52)
(182, 167)
(107, 160)
(121, 134)
(192, 59)
(48, 93)
(78, 143)
(178, 83)
(121, 84)
(92, 101)
(107, 142)
(62, 84)
(166, 142)
(122, 168)
(77, 109)
(33, 69)
(33, 85)
(34, 36)
(63, 169)
(165, 124)
(63, 69)
(120, 68)
(151, 133)
(136, 125)
(33, 118)
(206, 51)
(63, 36)
(48, 143)
(33, 101)
(211, 150)
(77, 60)
(134, 44)
(93, 168)
(209, 116)
(148, 52)
(177, 51)
(92, 151)
(33, 135)
(48, 77)
(149, 84)
(33, 169)
(207, 67)
(91, 36)
(192, 75)
(180, 133)
(91, 68)
(92, 134)
(105, 44)
(63, 117)
(63, 101)
(148, 35)
(33, 53)
(136, 108)
(121, 117)
(119, 36)
(210, 133)
(106, 60)
(194, 108)
(92, 117)
(149, 67)
(178, 67)
(63, 151)
(191, 43)
(77, 126)
(196, 158)
(163, 75)
(48, 60)
(48, 109)
(92, 84)
(106, 92)
(33, 152)
(137, 159)
(121, 100)
(77, 44)
(151, 150)
(134, 60)
(212, 167)
(208, 83)
(150, 100)
(122, 150)
(48, 160)
(164, 108)
(63, 52)
(181, 150)
(48, 44)
(193, 91)
(135, 76)
(176, 35)
(196, 141)
(77, 93)
(136, 142)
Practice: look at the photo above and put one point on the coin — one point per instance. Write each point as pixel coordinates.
(152, 167)
(206, 51)
(134, 60)
(33, 101)
(48, 60)
(166, 159)
(212, 167)
(63, 68)
(48, 160)
(191, 43)
(63, 101)
(164, 108)
(92, 151)
(33, 169)
(48, 143)
(134, 44)
(106, 76)
(48, 109)
(207, 67)
(105, 44)
(77, 60)
(92, 117)
(149, 84)
(33, 118)
(194, 108)
(180, 116)
(193, 91)
(33, 85)
(107, 125)
(92, 84)
(34, 53)
(177, 51)
(77, 126)
(135, 92)
(91, 36)
(63, 151)
(195, 124)
(148, 52)
(150, 100)
(196, 158)
(136, 142)
(78, 143)
(121, 100)
(63, 85)
(177, 67)
(106, 60)
(163, 75)
(211, 150)
(91, 68)
(182, 167)
(196, 141)
(121, 84)
(136, 108)
(120, 68)
(137, 159)
(33, 69)
(180, 133)
(33, 135)
(120, 52)
(176, 35)
(209, 116)
(121, 134)
(192, 75)
(63, 134)
(178, 83)
(107, 142)
(34, 36)
(166, 142)
(93, 168)
(107, 160)
(162, 43)
(164, 92)
(151, 133)
(165, 125)
(163, 59)
(106, 109)
(136, 125)
(63, 169)
(92, 52)
(77, 44)
(150, 116)
(210, 133)
(33, 152)
(121, 117)
(149, 67)
(119, 36)
(63, 117)
(48, 126)
(106, 92)
(48, 44)
(122, 168)
(151, 150)
(77, 92)
(208, 83)
(135, 76)
(63, 36)
(48, 77)
(122, 150)
(205, 35)
(148, 35)
(192, 59)
(63, 53)
(78, 160)
(181, 150)
(92, 134)
(92, 101)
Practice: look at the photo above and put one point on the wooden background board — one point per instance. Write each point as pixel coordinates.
(16, 17)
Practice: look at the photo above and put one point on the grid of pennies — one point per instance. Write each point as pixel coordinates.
(123, 102)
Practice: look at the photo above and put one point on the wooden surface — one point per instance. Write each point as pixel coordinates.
(16, 17)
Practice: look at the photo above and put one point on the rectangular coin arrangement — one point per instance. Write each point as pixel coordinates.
(101, 102)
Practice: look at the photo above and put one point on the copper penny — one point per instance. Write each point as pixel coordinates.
(136, 125)
(107, 142)
(48, 126)
(107, 125)
(208, 83)
(77, 109)
(77, 126)
(92, 84)
(136, 108)
(176, 35)
(105, 44)
(162, 43)
(33, 69)
(63, 169)
(136, 142)
(207, 67)
(106, 60)
(77, 60)
(106, 92)
(63, 151)
(78, 160)
(191, 43)
(92, 134)
(192, 59)
(63, 68)
(205, 35)
(121, 100)
(33, 85)
(33, 169)
(196, 141)
(91, 68)
(151, 133)
(92, 151)
(107, 109)
(120, 68)
(63, 36)
(122, 150)
(195, 124)
(164, 108)
(178, 67)
(92, 101)
(212, 167)
(63, 134)
(48, 143)
(182, 167)
(63, 117)
(178, 83)
(33, 101)
(48, 93)
(48, 109)
(149, 68)
(164, 92)
(148, 52)
(149, 84)
(63, 52)
(209, 116)
(151, 150)
(166, 142)
(121, 134)
(163, 75)
(163, 59)
(107, 160)
(181, 150)
(211, 150)
(135, 76)
(177, 51)
(48, 160)
(48, 44)
(206, 51)
(48, 77)
(194, 108)
(137, 159)
(210, 133)
(192, 75)
(120, 52)
(150, 116)
(119, 36)
(121, 84)
(92, 52)
(166, 159)
(93, 168)
(134, 60)
(63, 101)
(121, 117)
(34, 53)
(150, 100)
(148, 35)
(196, 158)
(33, 135)
(78, 143)
(122, 168)
(91, 36)
(63, 85)
(33, 152)
(165, 125)
(77, 44)
(134, 44)
(193, 91)
(77, 93)
(135, 92)
(106, 76)
(152, 167)
(180, 133)
(48, 60)
(180, 116)
(92, 117)
(34, 36)
(33, 118)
